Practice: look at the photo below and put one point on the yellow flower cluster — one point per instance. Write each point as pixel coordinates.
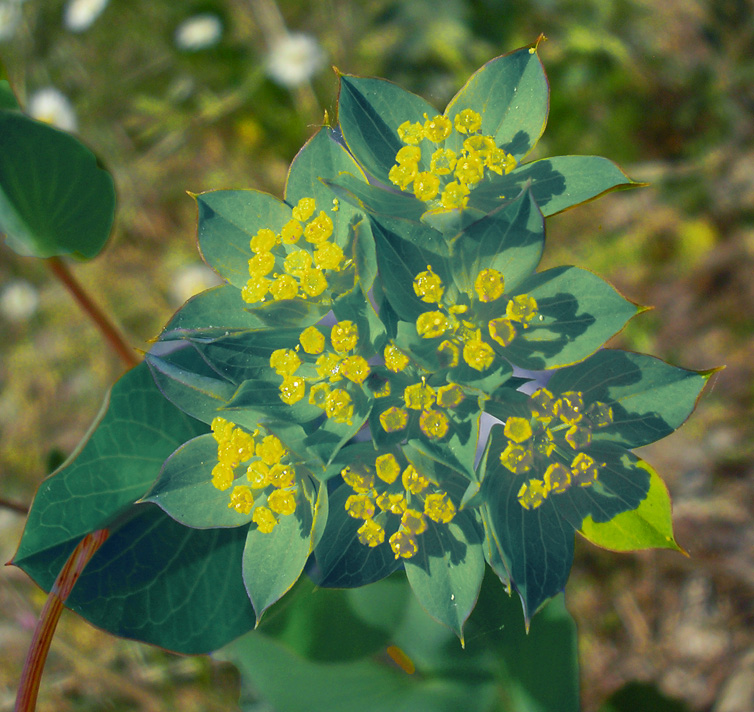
(423, 397)
(463, 335)
(389, 489)
(339, 365)
(271, 477)
(532, 441)
(452, 174)
(303, 267)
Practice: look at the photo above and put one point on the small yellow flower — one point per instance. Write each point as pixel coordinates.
(261, 264)
(328, 366)
(557, 478)
(344, 336)
(284, 287)
(455, 195)
(282, 476)
(355, 368)
(291, 232)
(408, 154)
(328, 255)
(433, 423)
(393, 419)
(478, 354)
(339, 406)
(411, 133)
(428, 286)
(449, 353)
(313, 282)
(414, 521)
(271, 450)
(468, 121)
(419, 396)
(282, 501)
(413, 481)
(578, 437)
(304, 209)
(570, 407)
(469, 169)
(502, 330)
(358, 481)
(318, 395)
(584, 470)
(263, 241)
(450, 395)
(371, 534)
(264, 519)
(292, 389)
(312, 340)
(432, 324)
(258, 474)
(387, 468)
(241, 499)
(532, 494)
(403, 544)
(395, 359)
(285, 362)
(319, 229)
(517, 429)
(516, 458)
(297, 263)
(255, 290)
(438, 128)
(439, 508)
(360, 506)
(393, 503)
(426, 185)
(489, 285)
(222, 476)
(522, 308)
(403, 174)
(443, 161)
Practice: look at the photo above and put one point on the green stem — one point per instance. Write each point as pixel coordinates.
(111, 334)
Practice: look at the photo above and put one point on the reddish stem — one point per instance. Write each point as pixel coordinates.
(48, 620)
(111, 334)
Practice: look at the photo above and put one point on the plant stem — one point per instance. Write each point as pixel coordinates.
(28, 689)
(111, 334)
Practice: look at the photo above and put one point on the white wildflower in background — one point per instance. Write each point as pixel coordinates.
(80, 14)
(191, 280)
(10, 18)
(294, 59)
(199, 32)
(18, 300)
(52, 106)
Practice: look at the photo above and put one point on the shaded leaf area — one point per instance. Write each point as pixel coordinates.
(185, 492)
(557, 183)
(273, 562)
(512, 95)
(510, 239)
(650, 525)
(327, 650)
(228, 219)
(533, 548)
(577, 312)
(322, 157)
(446, 573)
(159, 582)
(400, 259)
(54, 197)
(649, 398)
(341, 560)
(135, 432)
(382, 200)
(369, 114)
(153, 579)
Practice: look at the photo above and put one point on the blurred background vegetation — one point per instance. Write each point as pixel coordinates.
(202, 95)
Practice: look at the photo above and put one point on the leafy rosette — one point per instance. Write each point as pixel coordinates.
(559, 461)
(448, 169)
